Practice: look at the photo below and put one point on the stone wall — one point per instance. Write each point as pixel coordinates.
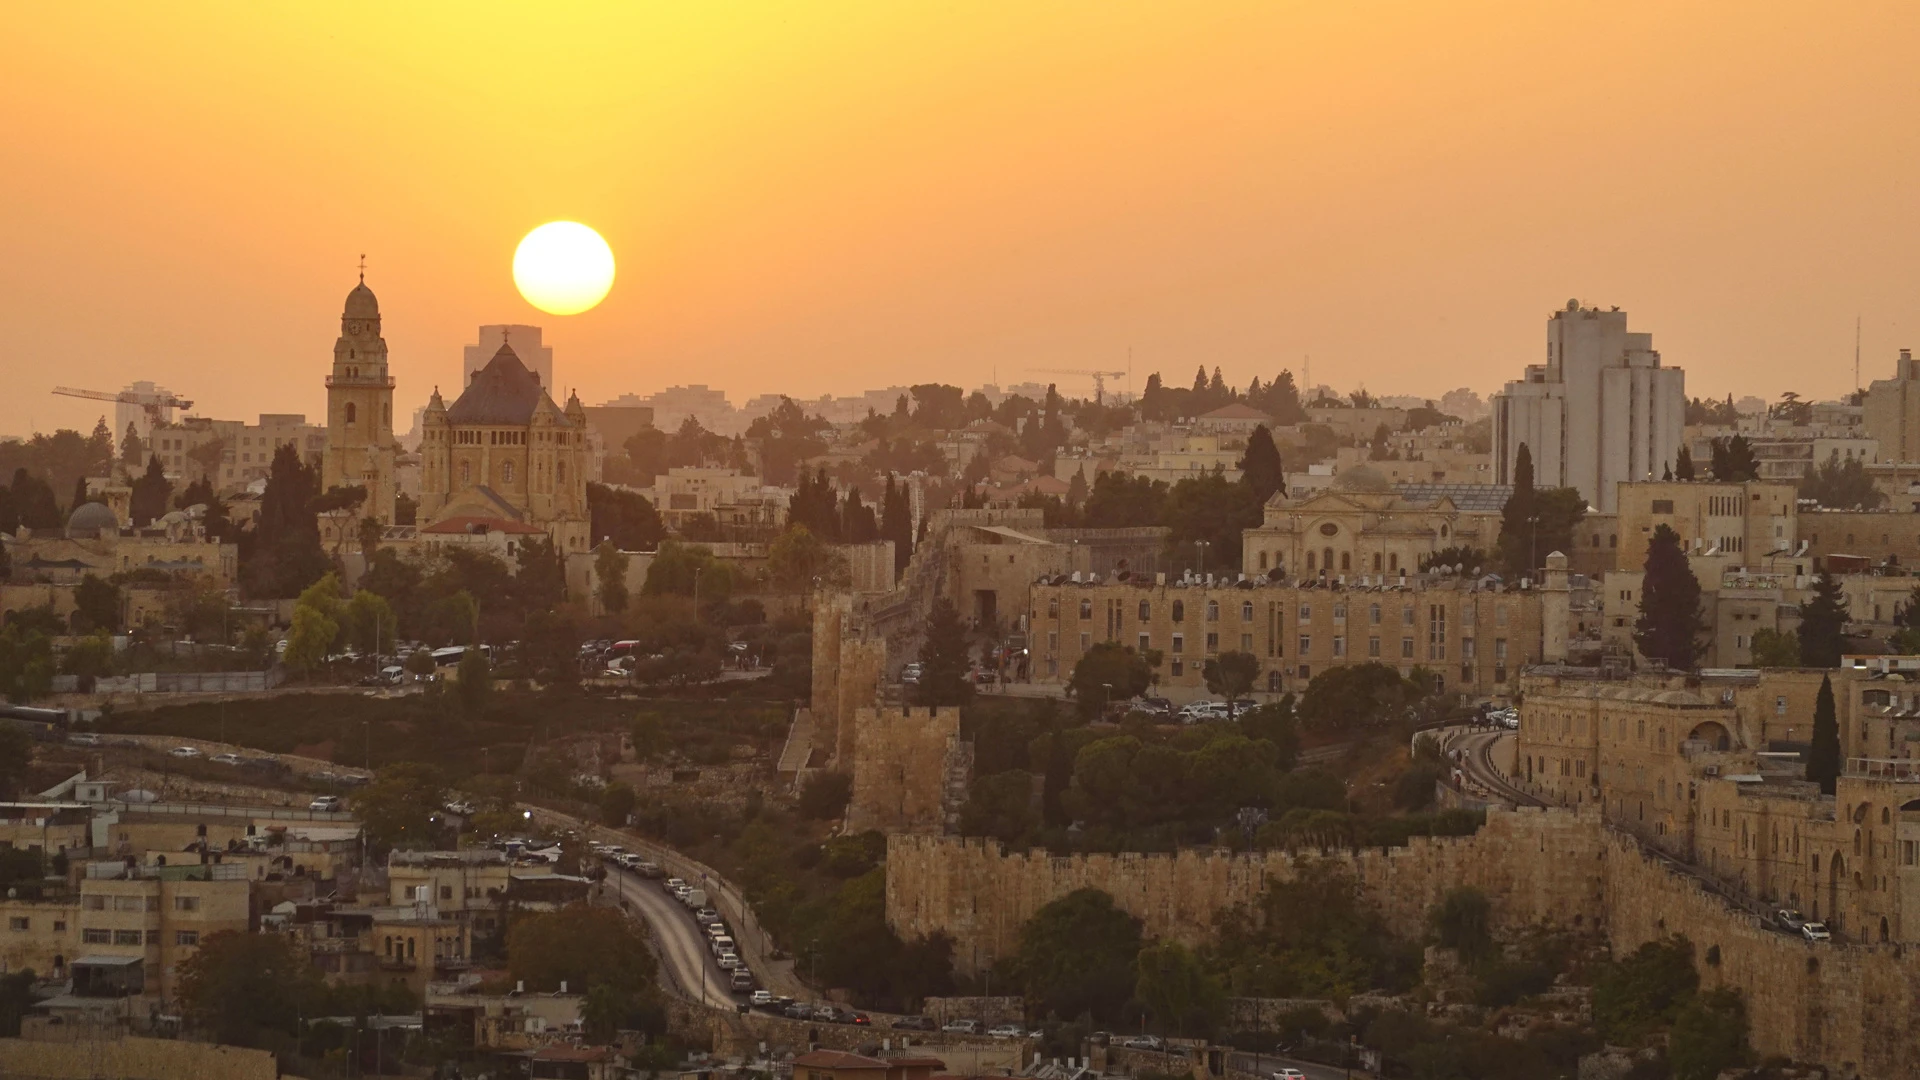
(1846, 1006)
(902, 761)
(1535, 866)
(134, 1059)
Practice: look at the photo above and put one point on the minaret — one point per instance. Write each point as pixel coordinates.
(360, 446)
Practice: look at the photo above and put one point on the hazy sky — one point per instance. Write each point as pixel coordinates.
(830, 196)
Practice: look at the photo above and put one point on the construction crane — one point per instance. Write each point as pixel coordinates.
(151, 401)
(1099, 378)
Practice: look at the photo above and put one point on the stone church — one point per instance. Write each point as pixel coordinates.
(504, 458)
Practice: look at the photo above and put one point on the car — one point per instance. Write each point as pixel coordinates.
(1143, 1042)
(860, 1019)
(1789, 918)
(85, 738)
(326, 803)
(760, 999)
(1816, 931)
(910, 674)
(461, 807)
(727, 962)
(1286, 1074)
(961, 1027)
(798, 1010)
(226, 759)
(914, 1023)
(183, 752)
(1006, 1031)
(672, 884)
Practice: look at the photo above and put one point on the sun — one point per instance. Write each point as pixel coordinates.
(563, 268)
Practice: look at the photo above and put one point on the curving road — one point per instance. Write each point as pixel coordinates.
(684, 956)
(1477, 746)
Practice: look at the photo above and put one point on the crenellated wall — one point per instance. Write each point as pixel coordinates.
(1536, 866)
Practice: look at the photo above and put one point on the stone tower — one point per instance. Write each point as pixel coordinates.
(360, 446)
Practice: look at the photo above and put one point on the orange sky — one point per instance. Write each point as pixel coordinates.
(826, 197)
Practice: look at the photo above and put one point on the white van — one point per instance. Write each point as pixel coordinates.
(722, 944)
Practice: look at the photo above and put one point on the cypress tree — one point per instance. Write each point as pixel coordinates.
(1823, 760)
(1823, 621)
(1261, 468)
(1683, 465)
(896, 523)
(149, 498)
(1669, 627)
(1741, 464)
(944, 658)
(1517, 517)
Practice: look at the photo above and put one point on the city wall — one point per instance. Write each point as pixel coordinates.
(1851, 1007)
(1536, 867)
(134, 1059)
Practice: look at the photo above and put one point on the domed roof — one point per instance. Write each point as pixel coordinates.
(92, 518)
(361, 303)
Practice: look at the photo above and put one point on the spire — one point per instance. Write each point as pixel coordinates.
(363, 268)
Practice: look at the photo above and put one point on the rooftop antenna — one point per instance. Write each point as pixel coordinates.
(1856, 352)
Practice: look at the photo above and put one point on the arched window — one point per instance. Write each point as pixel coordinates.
(1326, 559)
(1346, 560)
(1376, 562)
(1393, 561)
(1246, 611)
(1443, 532)
(352, 413)
(1310, 563)
(1263, 560)
(1086, 609)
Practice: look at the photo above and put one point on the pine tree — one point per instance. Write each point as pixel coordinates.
(1200, 382)
(1261, 468)
(1683, 465)
(1823, 623)
(1152, 407)
(131, 448)
(1823, 759)
(1517, 519)
(944, 658)
(80, 496)
(149, 498)
(1669, 627)
(1741, 464)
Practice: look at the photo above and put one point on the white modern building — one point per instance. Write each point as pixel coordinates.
(1600, 410)
(525, 341)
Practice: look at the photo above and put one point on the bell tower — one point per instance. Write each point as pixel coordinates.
(360, 447)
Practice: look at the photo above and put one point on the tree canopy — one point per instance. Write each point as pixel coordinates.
(1669, 627)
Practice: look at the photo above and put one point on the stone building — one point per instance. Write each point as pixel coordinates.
(503, 451)
(1891, 411)
(1746, 521)
(1351, 534)
(360, 443)
(1471, 635)
(1601, 410)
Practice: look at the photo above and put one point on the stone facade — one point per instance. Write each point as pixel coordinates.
(1535, 866)
(910, 770)
(360, 444)
(1746, 521)
(1348, 534)
(1473, 639)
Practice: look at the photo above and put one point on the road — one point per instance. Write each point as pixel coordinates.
(1478, 746)
(1268, 1064)
(682, 947)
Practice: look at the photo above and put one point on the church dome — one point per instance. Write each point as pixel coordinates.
(361, 303)
(91, 519)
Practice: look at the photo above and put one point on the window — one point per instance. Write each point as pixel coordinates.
(506, 472)
(1246, 643)
(1373, 647)
(186, 937)
(1179, 611)
(1086, 609)
(1406, 615)
(1339, 613)
(19, 924)
(94, 903)
(1306, 643)
(1146, 642)
(1179, 666)
(1053, 607)
(97, 937)
(1406, 648)
(1146, 611)
(466, 472)
(1213, 611)
(446, 892)
(1246, 611)
(1213, 642)
(186, 903)
(1373, 614)
(1436, 632)
(1053, 642)
(126, 937)
(129, 903)
(352, 413)
(1086, 641)
(1339, 646)
(1306, 612)
(1663, 506)
(1179, 644)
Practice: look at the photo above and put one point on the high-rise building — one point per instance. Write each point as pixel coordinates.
(525, 342)
(1892, 411)
(1600, 410)
(360, 447)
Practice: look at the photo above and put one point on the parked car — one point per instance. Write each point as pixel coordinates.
(799, 1010)
(727, 961)
(461, 807)
(1287, 1074)
(672, 884)
(1143, 1042)
(183, 752)
(225, 759)
(1816, 931)
(742, 980)
(910, 674)
(85, 738)
(1006, 1031)
(327, 803)
(914, 1023)
(961, 1027)
(1789, 918)
(647, 869)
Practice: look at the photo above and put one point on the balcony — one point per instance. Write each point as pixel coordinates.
(362, 380)
(1899, 770)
